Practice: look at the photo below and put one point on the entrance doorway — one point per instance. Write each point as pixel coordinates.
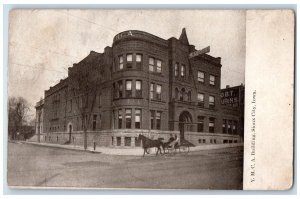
(184, 118)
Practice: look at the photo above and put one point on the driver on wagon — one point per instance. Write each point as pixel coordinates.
(173, 143)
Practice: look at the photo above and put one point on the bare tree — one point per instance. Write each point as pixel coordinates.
(84, 86)
(18, 109)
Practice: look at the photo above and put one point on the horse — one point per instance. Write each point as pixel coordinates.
(148, 143)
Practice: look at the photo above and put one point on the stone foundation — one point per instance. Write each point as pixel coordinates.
(128, 137)
(197, 138)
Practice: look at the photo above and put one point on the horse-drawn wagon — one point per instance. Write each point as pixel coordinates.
(168, 147)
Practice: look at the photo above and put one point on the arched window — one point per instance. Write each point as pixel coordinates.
(176, 93)
(182, 70)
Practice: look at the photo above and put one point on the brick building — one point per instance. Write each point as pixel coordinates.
(142, 84)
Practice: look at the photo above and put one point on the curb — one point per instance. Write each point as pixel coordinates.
(138, 153)
(59, 147)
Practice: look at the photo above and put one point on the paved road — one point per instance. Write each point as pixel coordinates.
(30, 165)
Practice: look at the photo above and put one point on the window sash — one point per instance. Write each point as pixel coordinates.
(128, 85)
(200, 76)
(138, 58)
(200, 97)
(158, 64)
(138, 85)
(182, 70)
(129, 58)
(211, 100)
(176, 70)
(158, 89)
(128, 111)
(121, 62)
(212, 80)
(137, 115)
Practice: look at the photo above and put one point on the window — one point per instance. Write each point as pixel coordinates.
(138, 88)
(137, 141)
(229, 127)
(139, 58)
(118, 141)
(211, 125)
(158, 92)
(189, 96)
(120, 118)
(121, 62)
(182, 71)
(181, 93)
(94, 122)
(176, 93)
(127, 141)
(128, 118)
(200, 125)
(120, 88)
(158, 66)
(151, 64)
(115, 91)
(128, 88)
(129, 61)
(138, 118)
(224, 126)
(151, 91)
(211, 101)
(200, 77)
(234, 127)
(212, 80)
(152, 119)
(200, 98)
(71, 105)
(176, 70)
(158, 119)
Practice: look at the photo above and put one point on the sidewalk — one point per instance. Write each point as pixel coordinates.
(127, 151)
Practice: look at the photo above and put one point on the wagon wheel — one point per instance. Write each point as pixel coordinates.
(172, 150)
(184, 149)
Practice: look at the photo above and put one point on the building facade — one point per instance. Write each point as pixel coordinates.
(142, 84)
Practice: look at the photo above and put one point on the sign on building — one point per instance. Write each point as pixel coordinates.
(230, 97)
(199, 52)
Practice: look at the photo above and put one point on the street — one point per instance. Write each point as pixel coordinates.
(39, 166)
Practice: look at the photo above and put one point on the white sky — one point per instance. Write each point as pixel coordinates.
(44, 43)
